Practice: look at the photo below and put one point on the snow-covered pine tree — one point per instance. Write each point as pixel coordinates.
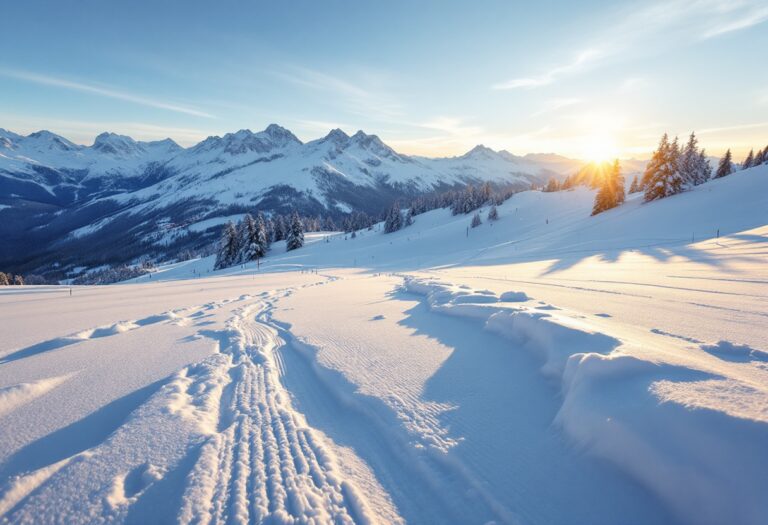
(725, 167)
(760, 157)
(493, 214)
(764, 156)
(476, 220)
(270, 228)
(329, 225)
(279, 226)
(262, 237)
(409, 217)
(295, 236)
(228, 247)
(246, 234)
(655, 161)
(703, 169)
(689, 160)
(662, 177)
(18, 280)
(4, 279)
(749, 161)
(394, 220)
(635, 186)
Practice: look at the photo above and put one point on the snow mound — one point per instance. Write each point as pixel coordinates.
(514, 297)
(684, 433)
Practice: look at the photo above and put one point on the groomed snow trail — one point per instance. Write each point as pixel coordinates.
(264, 464)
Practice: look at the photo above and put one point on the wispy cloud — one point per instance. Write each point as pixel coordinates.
(47, 80)
(578, 63)
(362, 96)
(743, 20)
(654, 28)
(737, 127)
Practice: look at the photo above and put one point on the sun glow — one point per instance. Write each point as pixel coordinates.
(600, 148)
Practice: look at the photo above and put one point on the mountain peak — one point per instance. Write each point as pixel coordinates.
(337, 136)
(245, 141)
(480, 151)
(280, 135)
(168, 144)
(114, 144)
(52, 140)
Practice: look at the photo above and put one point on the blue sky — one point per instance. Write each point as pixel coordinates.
(584, 79)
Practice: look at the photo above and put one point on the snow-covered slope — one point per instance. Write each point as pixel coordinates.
(547, 368)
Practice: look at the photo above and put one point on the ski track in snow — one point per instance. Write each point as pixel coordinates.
(264, 464)
(259, 463)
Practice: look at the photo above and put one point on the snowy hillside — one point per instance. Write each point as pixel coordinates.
(547, 368)
(59, 200)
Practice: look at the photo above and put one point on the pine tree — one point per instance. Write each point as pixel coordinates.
(476, 221)
(246, 234)
(749, 161)
(18, 280)
(270, 228)
(689, 160)
(655, 162)
(228, 247)
(409, 217)
(485, 194)
(280, 228)
(611, 193)
(394, 220)
(552, 185)
(703, 169)
(262, 237)
(662, 177)
(295, 236)
(619, 193)
(635, 186)
(4, 279)
(760, 157)
(763, 157)
(725, 167)
(493, 214)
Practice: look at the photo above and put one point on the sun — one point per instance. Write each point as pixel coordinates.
(600, 148)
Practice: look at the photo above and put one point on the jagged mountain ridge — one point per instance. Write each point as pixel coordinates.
(59, 195)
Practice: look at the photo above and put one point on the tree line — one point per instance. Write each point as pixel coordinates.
(250, 239)
(672, 169)
(461, 201)
(8, 279)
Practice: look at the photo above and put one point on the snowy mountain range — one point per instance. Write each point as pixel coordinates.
(115, 196)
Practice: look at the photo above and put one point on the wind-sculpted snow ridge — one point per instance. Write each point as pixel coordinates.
(692, 435)
(262, 463)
